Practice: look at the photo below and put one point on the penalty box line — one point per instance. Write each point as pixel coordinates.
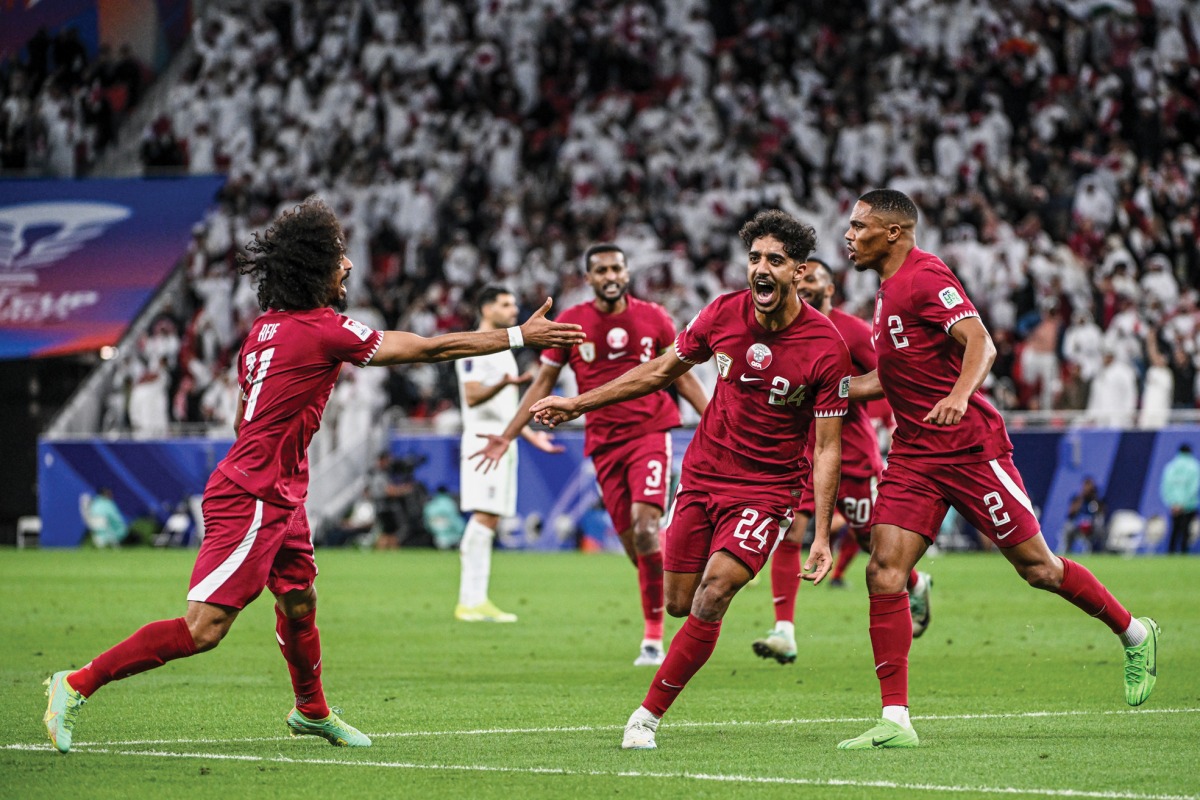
(694, 776)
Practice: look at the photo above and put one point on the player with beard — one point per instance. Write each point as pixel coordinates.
(950, 449)
(861, 467)
(780, 364)
(255, 525)
(630, 446)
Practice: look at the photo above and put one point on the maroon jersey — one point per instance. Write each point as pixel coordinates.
(919, 362)
(287, 368)
(860, 444)
(615, 344)
(770, 386)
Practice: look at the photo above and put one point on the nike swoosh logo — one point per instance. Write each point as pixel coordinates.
(611, 356)
(778, 599)
(748, 379)
(656, 610)
(670, 685)
(1005, 534)
(877, 742)
(881, 664)
(653, 491)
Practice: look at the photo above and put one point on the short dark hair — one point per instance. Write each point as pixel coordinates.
(296, 257)
(891, 202)
(799, 240)
(601, 247)
(489, 295)
(820, 262)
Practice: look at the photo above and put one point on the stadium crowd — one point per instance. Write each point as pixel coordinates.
(1050, 144)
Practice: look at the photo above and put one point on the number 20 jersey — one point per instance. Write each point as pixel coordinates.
(770, 386)
(919, 363)
(287, 368)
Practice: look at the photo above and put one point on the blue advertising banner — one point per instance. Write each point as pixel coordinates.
(79, 259)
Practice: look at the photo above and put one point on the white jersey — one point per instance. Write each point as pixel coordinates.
(493, 415)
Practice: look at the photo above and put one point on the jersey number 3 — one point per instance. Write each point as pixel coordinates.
(256, 378)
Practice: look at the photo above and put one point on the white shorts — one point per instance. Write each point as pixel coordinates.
(491, 493)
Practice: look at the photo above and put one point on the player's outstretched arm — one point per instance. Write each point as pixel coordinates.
(827, 470)
(400, 347)
(977, 361)
(496, 446)
(866, 387)
(638, 382)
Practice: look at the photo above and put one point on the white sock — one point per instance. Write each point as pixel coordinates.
(1135, 634)
(897, 714)
(647, 719)
(475, 554)
(786, 627)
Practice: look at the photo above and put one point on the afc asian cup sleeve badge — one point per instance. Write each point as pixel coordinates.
(844, 387)
(358, 329)
(587, 351)
(724, 362)
(617, 339)
(759, 356)
(950, 297)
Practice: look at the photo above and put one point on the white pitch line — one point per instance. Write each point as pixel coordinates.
(696, 776)
(671, 724)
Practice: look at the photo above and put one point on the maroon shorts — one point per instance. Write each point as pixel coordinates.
(747, 527)
(915, 495)
(636, 471)
(856, 499)
(249, 545)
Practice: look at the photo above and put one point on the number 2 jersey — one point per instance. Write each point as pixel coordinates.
(770, 386)
(919, 363)
(287, 369)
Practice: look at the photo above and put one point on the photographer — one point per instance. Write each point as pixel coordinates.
(399, 501)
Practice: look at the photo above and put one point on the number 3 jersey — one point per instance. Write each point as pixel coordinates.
(287, 368)
(770, 386)
(919, 363)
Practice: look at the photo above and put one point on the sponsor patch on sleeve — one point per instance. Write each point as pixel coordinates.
(358, 329)
(844, 387)
(950, 297)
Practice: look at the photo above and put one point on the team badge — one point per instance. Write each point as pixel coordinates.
(587, 351)
(844, 387)
(618, 338)
(759, 356)
(724, 362)
(950, 297)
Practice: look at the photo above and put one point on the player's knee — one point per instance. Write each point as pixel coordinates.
(678, 608)
(713, 598)
(1041, 576)
(207, 636)
(883, 576)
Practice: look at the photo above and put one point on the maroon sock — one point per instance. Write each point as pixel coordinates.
(300, 643)
(785, 580)
(912, 580)
(690, 648)
(846, 553)
(150, 646)
(650, 582)
(891, 639)
(1082, 588)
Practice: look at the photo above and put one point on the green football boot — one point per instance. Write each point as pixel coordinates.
(885, 734)
(332, 729)
(62, 710)
(1141, 665)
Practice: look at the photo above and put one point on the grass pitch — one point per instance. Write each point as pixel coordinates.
(1014, 691)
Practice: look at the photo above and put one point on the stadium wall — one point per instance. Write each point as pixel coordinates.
(558, 497)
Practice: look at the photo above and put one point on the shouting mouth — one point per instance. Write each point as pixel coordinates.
(763, 289)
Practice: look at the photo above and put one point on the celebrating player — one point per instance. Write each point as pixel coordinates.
(861, 468)
(950, 449)
(780, 364)
(630, 446)
(256, 530)
(487, 387)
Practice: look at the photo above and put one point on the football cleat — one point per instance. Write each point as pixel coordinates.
(484, 612)
(885, 734)
(62, 710)
(918, 603)
(779, 645)
(1141, 665)
(651, 655)
(639, 733)
(332, 729)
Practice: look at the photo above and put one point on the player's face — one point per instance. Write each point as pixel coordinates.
(338, 290)
(866, 238)
(816, 287)
(773, 276)
(501, 312)
(608, 276)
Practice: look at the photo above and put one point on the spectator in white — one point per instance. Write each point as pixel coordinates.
(1159, 283)
(1113, 395)
(219, 402)
(1125, 331)
(1093, 203)
(1083, 345)
(148, 402)
(1159, 389)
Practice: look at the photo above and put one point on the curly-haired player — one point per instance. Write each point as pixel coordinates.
(256, 529)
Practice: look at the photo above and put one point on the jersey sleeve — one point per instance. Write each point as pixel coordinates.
(349, 340)
(939, 299)
(862, 349)
(481, 369)
(831, 373)
(692, 345)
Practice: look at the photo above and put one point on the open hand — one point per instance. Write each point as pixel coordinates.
(489, 457)
(541, 332)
